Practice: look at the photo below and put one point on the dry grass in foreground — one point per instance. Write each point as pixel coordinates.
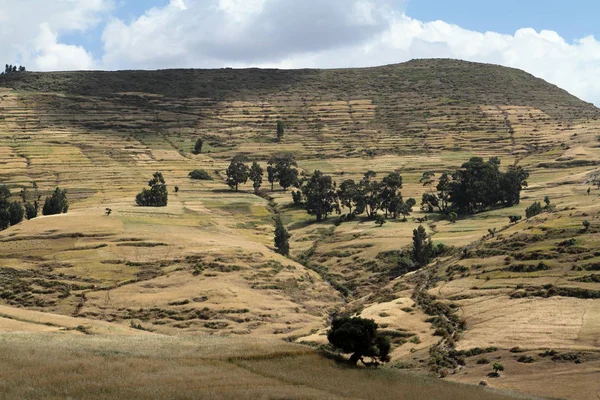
(59, 366)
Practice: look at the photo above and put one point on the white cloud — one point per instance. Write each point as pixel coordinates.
(280, 33)
(53, 56)
(30, 31)
(336, 33)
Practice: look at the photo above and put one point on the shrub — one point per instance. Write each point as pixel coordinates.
(483, 360)
(533, 210)
(526, 359)
(514, 218)
(200, 174)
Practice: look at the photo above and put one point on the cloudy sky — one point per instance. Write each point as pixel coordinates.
(552, 39)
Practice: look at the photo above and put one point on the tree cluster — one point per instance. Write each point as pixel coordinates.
(320, 196)
(157, 195)
(281, 169)
(477, 186)
(56, 203)
(11, 213)
(9, 69)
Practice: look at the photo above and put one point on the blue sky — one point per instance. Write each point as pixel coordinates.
(558, 41)
(571, 19)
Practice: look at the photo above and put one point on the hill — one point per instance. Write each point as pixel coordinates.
(205, 263)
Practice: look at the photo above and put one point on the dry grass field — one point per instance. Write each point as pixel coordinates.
(204, 266)
(59, 366)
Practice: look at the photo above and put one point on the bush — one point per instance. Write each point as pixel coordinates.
(483, 360)
(514, 218)
(200, 174)
(526, 359)
(533, 210)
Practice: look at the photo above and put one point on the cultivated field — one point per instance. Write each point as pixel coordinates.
(204, 265)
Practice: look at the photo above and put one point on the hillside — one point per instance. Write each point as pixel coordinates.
(205, 265)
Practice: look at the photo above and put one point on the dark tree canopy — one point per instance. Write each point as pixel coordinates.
(200, 174)
(282, 169)
(320, 195)
(11, 213)
(198, 146)
(477, 186)
(237, 172)
(349, 194)
(280, 130)
(57, 203)
(9, 69)
(533, 210)
(422, 247)
(157, 195)
(256, 176)
(358, 336)
(281, 237)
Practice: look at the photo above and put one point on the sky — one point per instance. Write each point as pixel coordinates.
(558, 41)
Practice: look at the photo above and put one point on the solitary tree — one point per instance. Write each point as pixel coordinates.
(497, 367)
(57, 203)
(157, 195)
(256, 176)
(586, 225)
(422, 247)
(198, 146)
(359, 336)
(281, 237)
(280, 130)
(237, 172)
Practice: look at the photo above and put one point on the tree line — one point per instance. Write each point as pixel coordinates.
(9, 69)
(319, 194)
(13, 212)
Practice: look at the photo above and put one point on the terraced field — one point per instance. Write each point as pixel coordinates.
(205, 263)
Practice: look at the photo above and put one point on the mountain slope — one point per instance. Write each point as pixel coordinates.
(205, 263)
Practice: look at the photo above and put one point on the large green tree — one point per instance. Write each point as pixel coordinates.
(349, 194)
(256, 176)
(422, 247)
(370, 196)
(282, 237)
(283, 170)
(320, 194)
(359, 336)
(157, 195)
(237, 172)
